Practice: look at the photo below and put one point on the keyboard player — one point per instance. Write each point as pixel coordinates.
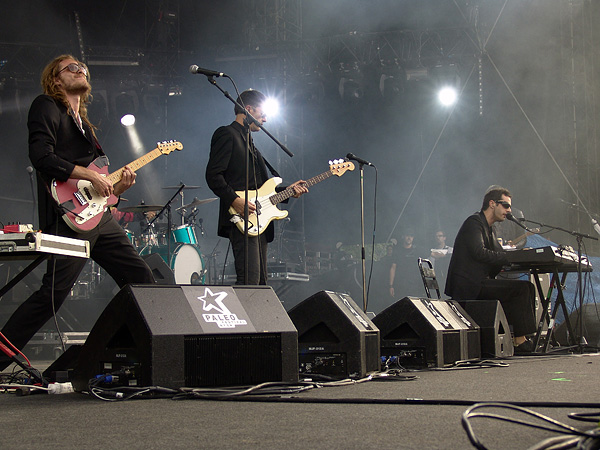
(477, 260)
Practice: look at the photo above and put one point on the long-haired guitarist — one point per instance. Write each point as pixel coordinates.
(225, 174)
(62, 144)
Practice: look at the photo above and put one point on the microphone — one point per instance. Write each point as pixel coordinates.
(209, 73)
(353, 157)
(29, 170)
(512, 218)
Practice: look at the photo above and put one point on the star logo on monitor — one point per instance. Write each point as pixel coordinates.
(214, 302)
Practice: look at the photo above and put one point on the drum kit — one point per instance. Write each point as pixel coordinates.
(177, 245)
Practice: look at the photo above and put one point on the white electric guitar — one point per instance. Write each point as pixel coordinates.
(266, 199)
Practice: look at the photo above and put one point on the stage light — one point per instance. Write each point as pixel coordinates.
(350, 89)
(447, 95)
(270, 107)
(128, 120)
(174, 91)
(390, 86)
(126, 105)
(446, 79)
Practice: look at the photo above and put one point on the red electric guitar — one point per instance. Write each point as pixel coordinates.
(82, 205)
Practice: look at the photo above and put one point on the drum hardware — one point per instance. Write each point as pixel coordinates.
(131, 237)
(141, 208)
(186, 261)
(88, 281)
(182, 186)
(197, 202)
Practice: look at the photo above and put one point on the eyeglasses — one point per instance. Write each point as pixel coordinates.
(504, 204)
(74, 68)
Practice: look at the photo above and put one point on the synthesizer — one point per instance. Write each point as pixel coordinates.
(565, 259)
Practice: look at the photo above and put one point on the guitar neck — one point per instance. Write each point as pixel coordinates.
(289, 192)
(116, 176)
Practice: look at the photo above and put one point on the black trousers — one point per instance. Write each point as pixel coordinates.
(517, 298)
(257, 257)
(109, 247)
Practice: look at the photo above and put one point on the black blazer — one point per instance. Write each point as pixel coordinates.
(225, 172)
(477, 256)
(56, 145)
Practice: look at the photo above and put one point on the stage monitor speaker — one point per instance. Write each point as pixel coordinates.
(496, 340)
(175, 336)
(335, 337)
(591, 326)
(161, 271)
(422, 332)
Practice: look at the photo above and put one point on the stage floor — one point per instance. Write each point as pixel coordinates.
(423, 413)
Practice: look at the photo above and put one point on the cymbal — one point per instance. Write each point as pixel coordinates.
(184, 187)
(141, 208)
(197, 202)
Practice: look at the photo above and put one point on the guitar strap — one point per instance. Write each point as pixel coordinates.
(271, 169)
(257, 154)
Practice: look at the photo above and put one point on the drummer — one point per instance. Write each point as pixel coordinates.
(124, 218)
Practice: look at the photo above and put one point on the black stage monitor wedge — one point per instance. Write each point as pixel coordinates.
(335, 337)
(496, 340)
(193, 336)
(422, 332)
(161, 271)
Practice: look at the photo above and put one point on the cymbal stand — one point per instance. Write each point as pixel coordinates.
(167, 207)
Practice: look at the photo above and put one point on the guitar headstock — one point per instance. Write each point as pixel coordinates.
(167, 147)
(340, 166)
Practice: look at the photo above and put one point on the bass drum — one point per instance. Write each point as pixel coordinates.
(188, 265)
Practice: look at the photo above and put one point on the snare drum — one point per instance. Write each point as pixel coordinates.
(185, 234)
(188, 266)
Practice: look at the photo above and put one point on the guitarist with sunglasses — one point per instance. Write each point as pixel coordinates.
(62, 143)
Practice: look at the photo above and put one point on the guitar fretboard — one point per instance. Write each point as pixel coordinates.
(289, 192)
(115, 177)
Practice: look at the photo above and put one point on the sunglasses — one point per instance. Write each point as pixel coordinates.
(74, 68)
(504, 204)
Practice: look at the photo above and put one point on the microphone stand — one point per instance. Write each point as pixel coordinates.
(247, 122)
(582, 342)
(169, 222)
(361, 171)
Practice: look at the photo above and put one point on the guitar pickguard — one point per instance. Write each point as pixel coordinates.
(92, 202)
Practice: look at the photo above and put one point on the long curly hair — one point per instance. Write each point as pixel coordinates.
(48, 82)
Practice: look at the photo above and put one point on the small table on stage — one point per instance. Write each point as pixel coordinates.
(558, 262)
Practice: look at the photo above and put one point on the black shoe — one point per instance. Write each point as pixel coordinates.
(525, 348)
